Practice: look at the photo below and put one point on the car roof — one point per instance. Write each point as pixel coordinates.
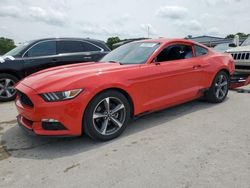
(67, 38)
(167, 40)
(100, 43)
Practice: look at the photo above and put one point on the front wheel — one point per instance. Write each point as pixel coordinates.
(7, 90)
(219, 89)
(107, 115)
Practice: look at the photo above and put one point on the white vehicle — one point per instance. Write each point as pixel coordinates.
(223, 47)
(241, 55)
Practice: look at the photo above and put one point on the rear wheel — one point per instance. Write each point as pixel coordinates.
(219, 89)
(7, 90)
(106, 116)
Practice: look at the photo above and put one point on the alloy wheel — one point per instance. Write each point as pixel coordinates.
(109, 116)
(221, 87)
(7, 89)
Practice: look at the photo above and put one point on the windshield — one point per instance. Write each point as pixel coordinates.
(132, 53)
(246, 42)
(17, 50)
(222, 47)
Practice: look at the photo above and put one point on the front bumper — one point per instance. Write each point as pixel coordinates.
(242, 69)
(242, 66)
(24, 127)
(69, 113)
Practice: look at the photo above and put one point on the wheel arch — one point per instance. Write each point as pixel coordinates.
(224, 70)
(13, 73)
(215, 73)
(210, 93)
(126, 94)
(123, 91)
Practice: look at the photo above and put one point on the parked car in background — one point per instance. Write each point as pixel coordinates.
(241, 55)
(137, 78)
(36, 55)
(222, 48)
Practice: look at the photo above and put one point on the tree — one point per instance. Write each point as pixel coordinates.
(6, 45)
(230, 36)
(111, 41)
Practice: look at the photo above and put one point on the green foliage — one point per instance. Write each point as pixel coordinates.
(241, 35)
(6, 45)
(230, 36)
(111, 41)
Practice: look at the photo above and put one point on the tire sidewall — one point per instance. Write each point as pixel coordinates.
(213, 88)
(88, 126)
(14, 79)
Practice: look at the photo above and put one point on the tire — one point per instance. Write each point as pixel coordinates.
(7, 91)
(219, 88)
(98, 123)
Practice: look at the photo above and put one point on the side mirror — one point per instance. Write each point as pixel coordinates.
(155, 62)
(2, 60)
(232, 45)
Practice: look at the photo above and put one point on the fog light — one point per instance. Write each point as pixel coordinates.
(49, 120)
(52, 125)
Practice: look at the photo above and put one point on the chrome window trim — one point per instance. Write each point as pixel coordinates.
(35, 45)
(57, 40)
(101, 49)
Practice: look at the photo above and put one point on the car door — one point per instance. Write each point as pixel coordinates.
(40, 56)
(76, 51)
(174, 76)
(95, 52)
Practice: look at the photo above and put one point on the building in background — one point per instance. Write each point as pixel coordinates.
(212, 41)
(125, 41)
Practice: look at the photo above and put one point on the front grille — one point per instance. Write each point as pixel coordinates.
(241, 56)
(24, 99)
(53, 126)
(242, 67)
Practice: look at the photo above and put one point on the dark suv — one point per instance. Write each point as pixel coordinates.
(36, 55)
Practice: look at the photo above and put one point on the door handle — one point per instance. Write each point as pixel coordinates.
(197, 66)
(30, 61)
(54, 60)
(87, 57)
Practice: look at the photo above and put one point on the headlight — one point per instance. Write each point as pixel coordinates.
(60, 96)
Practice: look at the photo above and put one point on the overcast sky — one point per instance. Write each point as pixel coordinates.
(30, 19)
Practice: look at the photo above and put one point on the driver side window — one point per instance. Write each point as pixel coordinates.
(175, 52)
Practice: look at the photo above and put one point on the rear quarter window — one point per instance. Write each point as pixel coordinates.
(200, 51)
(88, 47)
(69, 47)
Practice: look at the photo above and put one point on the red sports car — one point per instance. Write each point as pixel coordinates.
(99, 98)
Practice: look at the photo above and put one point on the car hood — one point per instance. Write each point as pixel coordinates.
(4, 59)
(239, 49)
(63, 77)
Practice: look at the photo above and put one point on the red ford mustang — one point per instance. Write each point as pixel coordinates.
(99, 98)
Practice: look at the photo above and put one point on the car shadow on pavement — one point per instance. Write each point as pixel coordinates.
(242, 90)
(19, 144)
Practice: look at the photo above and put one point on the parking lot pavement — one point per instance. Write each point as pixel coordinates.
(8, 112)
(193, 145)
